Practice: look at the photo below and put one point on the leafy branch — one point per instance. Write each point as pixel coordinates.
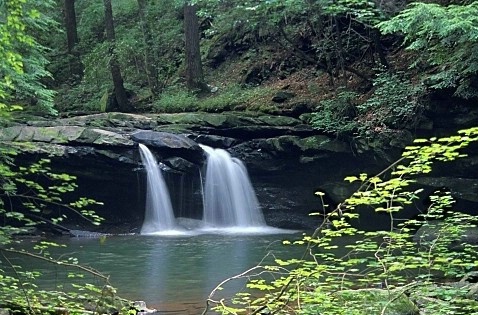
(402, 262)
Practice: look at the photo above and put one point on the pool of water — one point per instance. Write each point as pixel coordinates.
(175, 272)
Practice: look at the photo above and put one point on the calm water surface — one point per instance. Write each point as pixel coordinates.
(169, 271)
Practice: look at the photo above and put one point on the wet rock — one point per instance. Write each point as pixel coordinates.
(169, 144)
(64, 135)
(103, 137)
(337, 192)
(282, 96)
(226, 120)
(324, 143)
(197, 119)
(248, 132)
(10, 133)
(101, 149)
(142, 309)
(462, 188)
(255, 156)
(283, 144)
(215, 141)
(433, 229)
(39, 148)
(104, 120)
(180, 164)
(177, 128)
(279, 120)
(42, 134)
(26, 134)
(68, 134)
(292, 221)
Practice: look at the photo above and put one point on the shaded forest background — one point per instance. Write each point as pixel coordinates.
(346, 66)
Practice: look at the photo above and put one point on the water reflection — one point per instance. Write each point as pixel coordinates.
(167, 270)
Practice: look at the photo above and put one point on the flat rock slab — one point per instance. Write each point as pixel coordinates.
(170, 143)
(64, 135)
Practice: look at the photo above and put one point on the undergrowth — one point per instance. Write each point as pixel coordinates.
(233, 97)
(418, 266)
(32, 198)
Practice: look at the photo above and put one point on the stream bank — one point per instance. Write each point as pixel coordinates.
(286, 158)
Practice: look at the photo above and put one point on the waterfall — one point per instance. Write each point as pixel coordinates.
(159, 214)
(229, 198)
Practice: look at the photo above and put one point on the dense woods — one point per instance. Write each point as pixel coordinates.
(356, 69)
(349, 63)
(157, 55)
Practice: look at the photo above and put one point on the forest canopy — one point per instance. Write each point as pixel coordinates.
(170, 56)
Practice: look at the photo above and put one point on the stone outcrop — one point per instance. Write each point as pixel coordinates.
(170, 145)
(115, 136)
(287, 159)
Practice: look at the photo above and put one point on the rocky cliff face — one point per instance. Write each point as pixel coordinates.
(287, 160)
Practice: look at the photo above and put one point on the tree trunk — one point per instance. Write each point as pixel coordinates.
(339, 52)
(76, 67)
(378, 47)
(194, 74)
(151, 66)
(119, 90)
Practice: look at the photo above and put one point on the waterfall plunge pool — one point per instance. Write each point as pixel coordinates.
(174, 273)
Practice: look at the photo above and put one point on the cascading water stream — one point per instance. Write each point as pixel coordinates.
(229, 198)
(159, 215)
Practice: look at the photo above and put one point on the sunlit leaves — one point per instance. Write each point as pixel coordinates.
(24, 64)
(35, 196)
(342, 275)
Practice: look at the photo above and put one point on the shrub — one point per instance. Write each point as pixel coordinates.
(175, 100)
(395, 103)
(336, 115)
(445, 41)
(27, 197)
(222, 100)
(345, 270)
(236, 96)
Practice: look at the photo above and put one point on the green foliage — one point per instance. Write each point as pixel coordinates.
(414, 267)
(11, 31)
(176, 100)
(236, 96)
(337, 114)
(223, 100)
(23, 189)
(35, 196)
(445, 39)
(328, 33)
(396, 103)
(366, 12)
(31, 197)
(24, 69)
(166, 27)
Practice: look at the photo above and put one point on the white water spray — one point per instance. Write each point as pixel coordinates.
(159, 216)
(229, 198)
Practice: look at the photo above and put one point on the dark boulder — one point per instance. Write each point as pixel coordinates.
(215, 141)
(282, 96)
(169, 145)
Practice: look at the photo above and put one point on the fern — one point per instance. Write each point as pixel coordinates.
(395, 102)
(337, 114)
(446, 38)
